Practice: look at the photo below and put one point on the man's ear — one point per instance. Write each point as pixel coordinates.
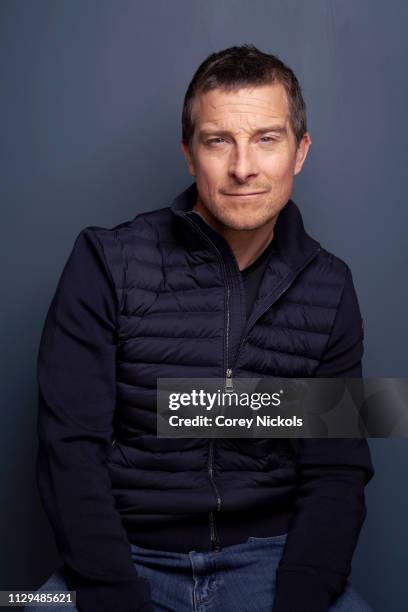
(301, 152)
(189, 158)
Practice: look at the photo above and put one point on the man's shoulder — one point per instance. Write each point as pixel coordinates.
(114, 247)
(330, 259)
(329, 267)
(145, 225)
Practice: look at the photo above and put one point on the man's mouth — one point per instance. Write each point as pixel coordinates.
(245, 195)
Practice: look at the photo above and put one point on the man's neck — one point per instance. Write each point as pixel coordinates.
(247, 245)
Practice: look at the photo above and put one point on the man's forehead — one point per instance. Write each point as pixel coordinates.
(262, 103)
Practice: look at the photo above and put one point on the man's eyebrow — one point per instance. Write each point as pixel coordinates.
(279, 129)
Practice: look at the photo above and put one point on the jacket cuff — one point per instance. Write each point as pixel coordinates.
(91, 595)
(301, 592)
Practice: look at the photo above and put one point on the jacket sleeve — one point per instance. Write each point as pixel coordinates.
(76, 383)
(330, 507)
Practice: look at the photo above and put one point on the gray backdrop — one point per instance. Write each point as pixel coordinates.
(90, 108)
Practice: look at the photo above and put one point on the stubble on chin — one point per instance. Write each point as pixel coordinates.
(243, 220)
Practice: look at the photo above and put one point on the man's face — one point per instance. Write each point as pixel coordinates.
(244, 155)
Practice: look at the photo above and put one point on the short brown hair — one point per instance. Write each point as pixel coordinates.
(243, 66)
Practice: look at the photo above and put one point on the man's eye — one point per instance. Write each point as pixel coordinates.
(268, 139)
(215, 140)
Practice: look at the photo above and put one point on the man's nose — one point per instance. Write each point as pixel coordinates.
(242, 162)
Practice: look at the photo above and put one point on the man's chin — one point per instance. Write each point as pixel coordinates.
(236, 220)
(240, 224)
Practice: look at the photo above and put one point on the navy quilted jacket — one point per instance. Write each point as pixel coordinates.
(162, 296)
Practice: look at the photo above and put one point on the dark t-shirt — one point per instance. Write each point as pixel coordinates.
(252, 276)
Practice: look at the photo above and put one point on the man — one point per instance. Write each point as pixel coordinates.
(224, 282)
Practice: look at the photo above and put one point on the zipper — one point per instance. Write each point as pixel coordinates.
(228, 381)
(215, 543)
(211, 472)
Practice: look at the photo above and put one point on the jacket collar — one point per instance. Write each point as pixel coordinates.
(292, 244)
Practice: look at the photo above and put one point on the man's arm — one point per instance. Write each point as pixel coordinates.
(76, 378)
(330, 507)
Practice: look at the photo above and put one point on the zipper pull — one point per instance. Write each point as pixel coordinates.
(215, 545)
(229, 388)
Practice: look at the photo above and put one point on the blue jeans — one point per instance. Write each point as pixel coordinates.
(239, 578)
